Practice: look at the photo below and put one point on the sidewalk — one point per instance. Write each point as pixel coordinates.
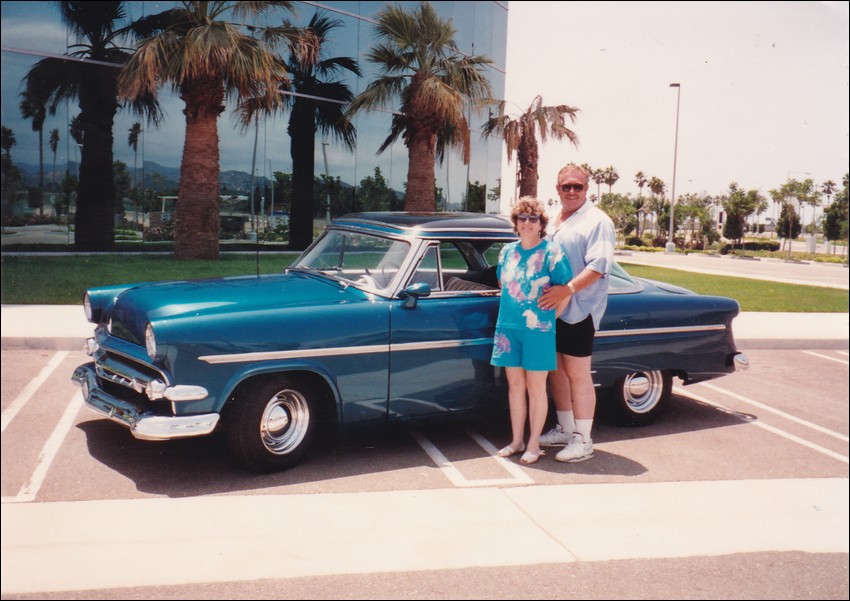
(64, 327)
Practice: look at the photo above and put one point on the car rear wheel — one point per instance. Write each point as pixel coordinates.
(271, 424)
(639, 398)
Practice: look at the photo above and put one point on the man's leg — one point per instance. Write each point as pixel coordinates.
(583, 397)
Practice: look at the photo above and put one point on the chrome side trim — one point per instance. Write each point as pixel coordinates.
(650, 331)
(342, 350)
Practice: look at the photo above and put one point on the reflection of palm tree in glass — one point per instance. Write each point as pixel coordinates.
(33, 107)
(520, 136)
(54, 146)
(422, 67)
(308, 78)
(206, 58)
(133, 141)
(96, 25)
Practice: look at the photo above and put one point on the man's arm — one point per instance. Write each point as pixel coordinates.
(556, 296)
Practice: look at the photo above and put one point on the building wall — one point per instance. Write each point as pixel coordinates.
(33, 30)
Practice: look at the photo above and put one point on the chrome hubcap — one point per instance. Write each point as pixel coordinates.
(643, 390)
(284, 422)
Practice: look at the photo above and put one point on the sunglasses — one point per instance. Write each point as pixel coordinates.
(529, 218)
(572, 187)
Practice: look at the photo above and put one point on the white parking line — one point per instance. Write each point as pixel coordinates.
(458, 479)
(813, 354)
(26, 394)
(782, 414)
(782, 433)
(48, 453)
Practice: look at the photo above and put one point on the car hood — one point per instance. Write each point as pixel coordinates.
(222, 298)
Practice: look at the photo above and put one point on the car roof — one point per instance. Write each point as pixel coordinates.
(430, 225)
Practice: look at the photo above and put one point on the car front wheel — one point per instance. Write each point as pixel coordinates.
(270, 424)
(639, 398)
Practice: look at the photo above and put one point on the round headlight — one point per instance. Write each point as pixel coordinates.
(150, 341)
(87, 306)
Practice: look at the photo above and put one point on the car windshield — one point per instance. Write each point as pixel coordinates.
(620, 282)
(367, 261)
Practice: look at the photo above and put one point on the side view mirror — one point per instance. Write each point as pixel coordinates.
(413, 293)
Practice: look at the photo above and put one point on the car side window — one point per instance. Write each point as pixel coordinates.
(428, 270)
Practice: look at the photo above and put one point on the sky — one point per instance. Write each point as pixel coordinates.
(763, 96)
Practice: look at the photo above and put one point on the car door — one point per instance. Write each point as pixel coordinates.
(440, 346)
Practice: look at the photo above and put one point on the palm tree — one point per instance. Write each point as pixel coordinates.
(308, 78)
(206, 58)
(54, 146)
(94, 85)
(133, 136)
(611, 176)
(828, 188)
(657, 187)
(33, 107)
(641, 181)
(598, 176)
(423, 68)
(135, 132)
(520, 136)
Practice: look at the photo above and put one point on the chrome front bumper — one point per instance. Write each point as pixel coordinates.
(143, 424)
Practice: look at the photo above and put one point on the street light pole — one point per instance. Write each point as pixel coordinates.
(671, 245)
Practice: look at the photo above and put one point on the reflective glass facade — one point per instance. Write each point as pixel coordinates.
(34, 30)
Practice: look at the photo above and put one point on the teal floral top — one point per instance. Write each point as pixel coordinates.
(524, 276)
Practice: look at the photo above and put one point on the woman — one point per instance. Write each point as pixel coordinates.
(524, 343)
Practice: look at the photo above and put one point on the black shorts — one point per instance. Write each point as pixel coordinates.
(575, 339)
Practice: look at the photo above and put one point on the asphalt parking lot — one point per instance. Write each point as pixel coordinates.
(708, 480)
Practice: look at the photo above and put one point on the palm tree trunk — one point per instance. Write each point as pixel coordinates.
(196, 230)
(528, 158)
(302, 131)
(94, 223)
(420, 174)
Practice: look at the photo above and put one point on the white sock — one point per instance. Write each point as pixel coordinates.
(566, 420)
(583, 427)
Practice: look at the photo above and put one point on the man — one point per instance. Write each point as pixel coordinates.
(586, 236)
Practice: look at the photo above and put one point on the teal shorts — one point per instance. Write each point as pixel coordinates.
(531, 350)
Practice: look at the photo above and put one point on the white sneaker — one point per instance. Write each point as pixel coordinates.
(556, 437)
(579, 449)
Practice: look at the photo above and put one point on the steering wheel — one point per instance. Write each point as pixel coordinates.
(368, 280)
(391, 267)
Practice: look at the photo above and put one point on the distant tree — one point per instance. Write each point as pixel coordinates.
(621, 210)
(475, 199)
(421, 65)
(520, 134)
(836, 218)
(790, 224)
(495, 193)
(657, 187)
(54, 146)
(123, 185)
(33, 106)
(373, 193)
(598, 176)
(610, 176)
(9, 173)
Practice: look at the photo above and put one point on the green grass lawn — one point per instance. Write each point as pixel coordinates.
(62, 280)
(753, 295)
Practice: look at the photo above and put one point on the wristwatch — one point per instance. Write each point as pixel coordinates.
(572, 287)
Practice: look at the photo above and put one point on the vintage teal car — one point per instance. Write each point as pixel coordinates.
(386, 317)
